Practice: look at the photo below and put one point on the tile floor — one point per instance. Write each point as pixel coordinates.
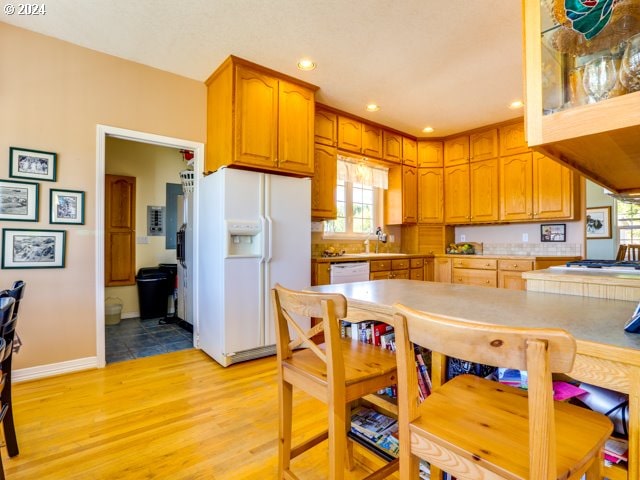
(136, 338)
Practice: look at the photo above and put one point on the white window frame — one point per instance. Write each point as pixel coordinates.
(376, 221)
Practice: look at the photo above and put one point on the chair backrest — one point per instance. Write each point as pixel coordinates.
(622, 253)
(539, 351)
(633, 252)
(8, 323)
(17, 292)
(290, 305)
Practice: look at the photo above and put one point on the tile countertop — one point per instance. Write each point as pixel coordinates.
(354, 257)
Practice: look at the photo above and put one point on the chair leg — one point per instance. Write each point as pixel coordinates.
(409, 463)
(7, 422)
(337, 439)
(285, 392)
(349, 445)
(594, 472)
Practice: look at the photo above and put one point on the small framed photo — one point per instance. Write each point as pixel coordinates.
(599, 222)
(23, 248)
(18, 201)
(66, 207)
(34, 164)
(553, 232)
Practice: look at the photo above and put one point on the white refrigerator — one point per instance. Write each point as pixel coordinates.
(254, 231)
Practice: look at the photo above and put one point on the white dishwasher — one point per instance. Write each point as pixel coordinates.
(347, 272)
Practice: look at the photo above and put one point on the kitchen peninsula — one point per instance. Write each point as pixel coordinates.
(606, 355)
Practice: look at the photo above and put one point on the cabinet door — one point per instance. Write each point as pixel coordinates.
(442, 269)
(120, 231)
(482, 278)
(516, 187)
(512, 139)
(483, 179)
(511, 280)
(323, 183)
(409, 195)
(322, 273)
(429, 270)
(456, 194)
(326, 128)
(409, 152)
(430, 195)
(256, 118)
(349, 134)
(553, 186)
(296, 106)
(430, 154)
(391, 147)
(456, 151)
(383, 275)
(483, 145)
(371, 141)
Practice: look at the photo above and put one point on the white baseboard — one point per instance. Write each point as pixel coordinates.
(42, 371)
(130, 315)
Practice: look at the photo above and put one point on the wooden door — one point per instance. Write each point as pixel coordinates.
(456, 151)
(516, 187)
(456, 194)
(323, 183)
(430, 195)
(371, 141)
(409, 195)
(119, 231)
(430, 154)
(552, 189)
(349, 134)
(326, 128)
(484, 197)
(391, 147)
(483, 145)
(256, 118)
(296, 107)
(409, 152)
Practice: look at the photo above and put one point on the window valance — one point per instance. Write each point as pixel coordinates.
(355, 171)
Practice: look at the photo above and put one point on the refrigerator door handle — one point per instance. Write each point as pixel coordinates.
(265, 239)
(270, 239)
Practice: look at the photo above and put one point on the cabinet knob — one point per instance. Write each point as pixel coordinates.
(487, 282)
(514, 265)
(487, 264)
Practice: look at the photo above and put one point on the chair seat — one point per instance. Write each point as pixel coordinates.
(469, 411)
(364, 363)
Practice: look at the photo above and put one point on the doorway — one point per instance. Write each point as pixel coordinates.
(157, 331)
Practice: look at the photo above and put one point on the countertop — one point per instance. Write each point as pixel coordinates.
(390, 256)
(589, 319)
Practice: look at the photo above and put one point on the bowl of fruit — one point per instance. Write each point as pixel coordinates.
(461, 249)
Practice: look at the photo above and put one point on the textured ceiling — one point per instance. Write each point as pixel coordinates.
(452, 64)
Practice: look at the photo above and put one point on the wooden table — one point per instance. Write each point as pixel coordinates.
(607, 356)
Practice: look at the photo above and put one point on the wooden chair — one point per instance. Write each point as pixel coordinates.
(336, 372)
(475, 428)
(622, 253)
(633, 252)
(6, 317)
(8, 333)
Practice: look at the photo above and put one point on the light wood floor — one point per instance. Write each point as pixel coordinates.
(173, 416)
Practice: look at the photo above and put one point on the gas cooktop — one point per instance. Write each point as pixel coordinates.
(624, 265)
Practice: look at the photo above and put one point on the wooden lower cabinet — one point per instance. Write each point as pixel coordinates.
(510, 273)
(321, 273)
(429, 270)
(469, 276)
(442, 269)
(398, 269)
(417, 269)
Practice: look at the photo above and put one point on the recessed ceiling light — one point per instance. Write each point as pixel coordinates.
(516, 104)
(372, 107)
(427, 129)
(306, 64)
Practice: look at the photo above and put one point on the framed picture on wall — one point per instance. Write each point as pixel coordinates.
(18, 201)
(34, 164)
(23, 248)
(599, 222)
(66, 207)
(553, 232)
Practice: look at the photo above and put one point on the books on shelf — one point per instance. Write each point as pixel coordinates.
(616, 450)
(376, 431)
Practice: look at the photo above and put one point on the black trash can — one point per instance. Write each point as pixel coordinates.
(171, 269)
(153, 287)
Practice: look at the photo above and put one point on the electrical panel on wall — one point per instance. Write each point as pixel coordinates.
(156, 219)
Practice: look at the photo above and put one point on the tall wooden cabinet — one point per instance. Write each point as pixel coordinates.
(120, 231)
(456, 194)
(323, 183)
(484, 191)
(259, 118)
(430, 195)
(401, 198)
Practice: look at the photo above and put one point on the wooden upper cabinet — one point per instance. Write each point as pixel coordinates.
(483, 145)
(120, 230)
(323, 183)
(349, 134)
(391, 147)
(296, 107)
(430, 154)
(484, 191)
(554, 189)
(258, 118)
(409, 152)
(512, 139)
(430, 195)
(409, 194)
(456, 151)
(371, 141)
(456, 194)
(516, 187)
(326, 128)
